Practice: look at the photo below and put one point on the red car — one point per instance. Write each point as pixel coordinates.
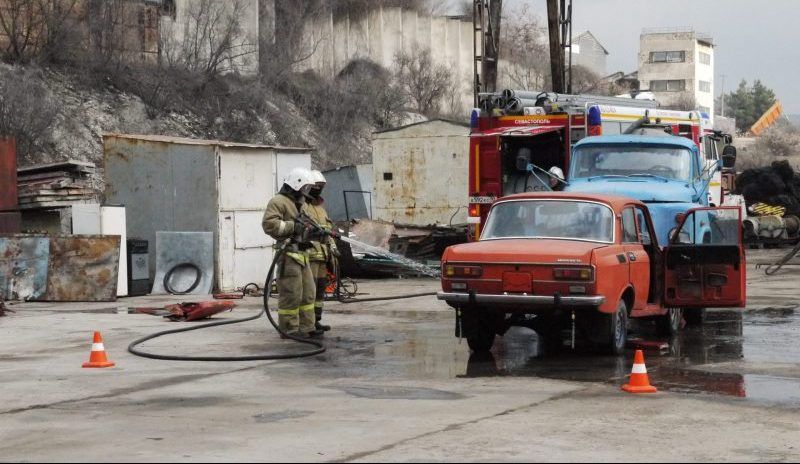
(545, 260)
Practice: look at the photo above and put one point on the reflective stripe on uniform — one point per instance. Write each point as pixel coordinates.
(289, 312)
(300, 258)
(282, 228)
(307, 308)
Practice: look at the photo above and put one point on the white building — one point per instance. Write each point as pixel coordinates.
(588, 52)
(677, 65)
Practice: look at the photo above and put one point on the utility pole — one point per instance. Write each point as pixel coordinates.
(486, 16)
(556, 51)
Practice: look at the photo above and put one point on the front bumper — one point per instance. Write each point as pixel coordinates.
(523, 300)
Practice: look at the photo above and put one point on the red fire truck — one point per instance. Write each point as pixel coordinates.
(512, 130)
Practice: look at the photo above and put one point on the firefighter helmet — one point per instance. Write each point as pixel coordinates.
(298, 178)
(318, 178)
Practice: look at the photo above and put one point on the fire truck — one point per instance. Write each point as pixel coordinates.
(514, 130)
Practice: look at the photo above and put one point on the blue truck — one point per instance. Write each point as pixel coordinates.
(665, 172)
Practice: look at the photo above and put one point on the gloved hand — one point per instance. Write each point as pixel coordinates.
(334, 249)
(300, 228)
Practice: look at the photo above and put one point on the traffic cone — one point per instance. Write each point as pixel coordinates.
(98, 357)
(640, 382)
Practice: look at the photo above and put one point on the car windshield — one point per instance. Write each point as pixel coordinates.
(559, 219)
(615, 160)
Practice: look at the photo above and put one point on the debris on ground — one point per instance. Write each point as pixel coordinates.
(187, 312)
(3, 309)
(776, 185)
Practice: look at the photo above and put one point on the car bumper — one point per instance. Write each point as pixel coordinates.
(524, 300)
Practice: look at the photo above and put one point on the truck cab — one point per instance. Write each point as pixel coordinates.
(668, 173)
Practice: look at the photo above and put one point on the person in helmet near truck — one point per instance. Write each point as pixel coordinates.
(296, 286)
(323, 252)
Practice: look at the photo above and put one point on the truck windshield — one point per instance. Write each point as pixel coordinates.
(558, 219)
(621, 160)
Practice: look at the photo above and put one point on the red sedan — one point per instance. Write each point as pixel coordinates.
(548, 260)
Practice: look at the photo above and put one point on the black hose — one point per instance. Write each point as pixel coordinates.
(266, 357)
(774, 268)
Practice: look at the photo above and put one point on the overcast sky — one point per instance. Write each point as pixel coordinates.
(754, 39)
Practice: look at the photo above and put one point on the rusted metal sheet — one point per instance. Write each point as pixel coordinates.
(83, 268)
(23, 266)
(8, 174)
(10, 222)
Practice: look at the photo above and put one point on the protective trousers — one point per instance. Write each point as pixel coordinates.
(296, 292)
(320, 271)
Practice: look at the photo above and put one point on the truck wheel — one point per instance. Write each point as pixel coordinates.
(670, 323)
(616, 328)
(694, 316)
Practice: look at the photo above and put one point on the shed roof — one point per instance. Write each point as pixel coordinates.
(188, 141)
(449, 121)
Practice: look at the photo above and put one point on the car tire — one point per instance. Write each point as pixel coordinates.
(616, 329)
(479, 330)
(694, 316)
(670, 323)
(481, 342)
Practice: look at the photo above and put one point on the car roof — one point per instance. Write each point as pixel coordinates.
(616, 202)
(662, 140)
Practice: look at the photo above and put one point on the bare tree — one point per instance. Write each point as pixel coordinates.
(28, 112)
(584, 80)
(524, 47)
(212, 41)
(424, 82)
(683, 102)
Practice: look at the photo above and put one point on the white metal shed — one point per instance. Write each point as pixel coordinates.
(178, 184)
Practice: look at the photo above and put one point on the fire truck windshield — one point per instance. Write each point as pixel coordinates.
(631, 161)
(550, 219)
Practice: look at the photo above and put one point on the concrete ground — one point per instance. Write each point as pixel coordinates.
(395, 385)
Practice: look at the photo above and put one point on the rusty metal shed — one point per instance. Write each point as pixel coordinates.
(420, 173)
(186, 185)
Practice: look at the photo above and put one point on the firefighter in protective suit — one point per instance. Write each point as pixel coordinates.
(324, 251)
(296, 286)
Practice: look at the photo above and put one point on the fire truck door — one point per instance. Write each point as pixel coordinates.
(705, 260)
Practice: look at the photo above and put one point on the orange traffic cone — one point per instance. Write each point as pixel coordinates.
(640, 382)
(98, 357)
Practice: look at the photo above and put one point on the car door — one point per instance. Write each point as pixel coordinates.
(638, 260)
(705, 260)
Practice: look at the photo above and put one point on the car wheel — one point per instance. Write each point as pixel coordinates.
(670, 323)
(479, 330)
(617, 329)
(694, 316)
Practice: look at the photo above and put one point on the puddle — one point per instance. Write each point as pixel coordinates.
(270, 417)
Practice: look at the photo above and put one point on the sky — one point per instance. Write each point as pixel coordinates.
(755, 39)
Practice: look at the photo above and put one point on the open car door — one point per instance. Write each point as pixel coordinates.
(705, 260)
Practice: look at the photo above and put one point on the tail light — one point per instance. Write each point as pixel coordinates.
(577, 274)
(463, 271)
(475, 210)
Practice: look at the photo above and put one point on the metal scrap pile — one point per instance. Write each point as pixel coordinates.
(56, 185)
(775, 185)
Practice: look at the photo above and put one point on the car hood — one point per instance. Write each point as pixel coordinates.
(542, 251)
(643, 189)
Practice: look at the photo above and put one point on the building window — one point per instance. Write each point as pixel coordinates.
(705, 86)
(705, 58)
(704, 109)
(668, 57)
(675, 85)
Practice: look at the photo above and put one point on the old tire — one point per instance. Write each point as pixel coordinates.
(616, 329)
(670, 323)
(694, 316)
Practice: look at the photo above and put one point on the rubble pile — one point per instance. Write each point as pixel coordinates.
(776, 185)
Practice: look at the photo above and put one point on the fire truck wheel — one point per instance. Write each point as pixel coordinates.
(670, 323)
(694, 316)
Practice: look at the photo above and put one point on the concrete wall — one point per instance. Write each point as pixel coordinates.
(421, 173)
(380, 34)
(174, 29)
(692, 71)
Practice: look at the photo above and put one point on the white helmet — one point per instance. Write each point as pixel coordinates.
(298, 178)
(318, 178)
(556, 171)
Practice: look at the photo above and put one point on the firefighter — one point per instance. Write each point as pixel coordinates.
(296, 286)
(556, 178)
(324, 252)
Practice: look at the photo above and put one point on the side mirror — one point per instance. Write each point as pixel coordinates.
(729, 157)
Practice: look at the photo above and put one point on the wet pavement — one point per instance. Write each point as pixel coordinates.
(751, 354)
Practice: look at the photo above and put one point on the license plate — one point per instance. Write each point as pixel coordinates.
(484, 200)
